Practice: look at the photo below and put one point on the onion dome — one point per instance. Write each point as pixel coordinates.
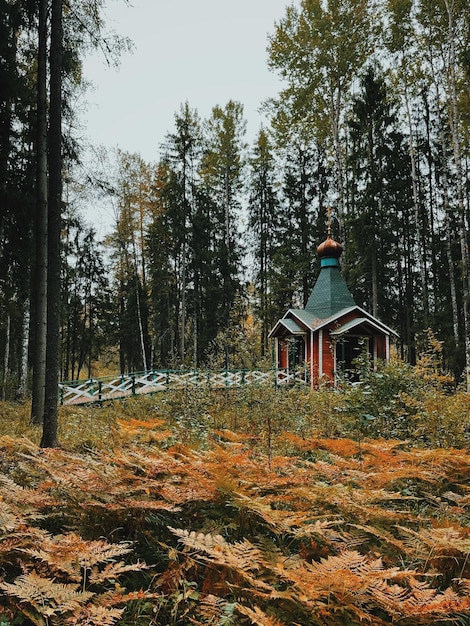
(330, 248)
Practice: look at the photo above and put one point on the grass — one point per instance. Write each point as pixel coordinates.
(397, 402)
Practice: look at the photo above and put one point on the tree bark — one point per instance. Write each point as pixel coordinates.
(50, 425)
(454, 119)
(23, 373)
(6, 355)
(415, 185)
(445, 186)
(39, 287)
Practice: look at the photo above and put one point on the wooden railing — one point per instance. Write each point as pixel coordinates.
(109, 388)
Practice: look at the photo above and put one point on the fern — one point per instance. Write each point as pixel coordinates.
(47, 597)
(72, 555)
(215, 610)
(145, 430)
(440, 542)
(258, 617)
(322, 536)
(94, 615)
(355, 583)
(241, 556)
(426, 604)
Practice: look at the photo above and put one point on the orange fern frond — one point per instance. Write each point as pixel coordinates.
(428, 603)
(199, 541)
(345, 580)
(127, 504)
(47, 597)
(94, 615)
(118, 596)
(214, 609)
(144, 430)
(383, 535)
(258, 617)
(15, 518)
(440, 542)
(242, 557)
(229, 435)
(112, 571)
(25, 500)
(133, 426)
(342, 447)
(73, 555)
(321, 529)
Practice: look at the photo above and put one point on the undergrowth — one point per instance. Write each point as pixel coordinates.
(254, 506)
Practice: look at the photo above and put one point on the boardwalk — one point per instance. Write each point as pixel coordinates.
(122, 386)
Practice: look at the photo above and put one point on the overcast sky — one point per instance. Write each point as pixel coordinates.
(205, 52)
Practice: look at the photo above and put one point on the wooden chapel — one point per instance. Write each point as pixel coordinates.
(331, 331)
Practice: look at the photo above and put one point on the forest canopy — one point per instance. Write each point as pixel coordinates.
(214, 240)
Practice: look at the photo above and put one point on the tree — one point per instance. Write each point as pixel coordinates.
(131, 195)
(69, 36)
(442, 31)
(182, 152)
(222, 167)
(318, 50)
(17, 93)
(206, 285)
(163, 276)
(263, 209)
(373, 209)
(39, 291)
(87, 327)
(456, 20)
(54, 223)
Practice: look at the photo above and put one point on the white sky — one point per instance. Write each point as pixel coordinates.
(205, 52)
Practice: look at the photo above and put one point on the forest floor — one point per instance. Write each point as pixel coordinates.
(230, 510)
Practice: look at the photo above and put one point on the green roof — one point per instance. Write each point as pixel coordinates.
(292, 327)
(330, 293)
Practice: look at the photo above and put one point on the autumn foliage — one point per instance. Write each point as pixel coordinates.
(216, 525)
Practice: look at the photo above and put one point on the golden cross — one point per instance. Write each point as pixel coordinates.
(329, 222)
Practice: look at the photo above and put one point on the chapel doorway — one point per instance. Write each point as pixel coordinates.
(348, 349)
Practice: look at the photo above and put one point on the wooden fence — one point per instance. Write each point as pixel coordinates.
(109, 388)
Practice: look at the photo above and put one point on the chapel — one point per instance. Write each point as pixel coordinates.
(332, 331)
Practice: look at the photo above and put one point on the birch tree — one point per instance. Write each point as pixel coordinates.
(446, 24)
(318, 50)
(131, 200)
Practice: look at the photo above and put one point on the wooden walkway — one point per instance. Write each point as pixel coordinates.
(122, 386)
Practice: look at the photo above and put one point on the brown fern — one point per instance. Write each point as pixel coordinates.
(94, 615)
(258, 617)
(46, 596)
(71, 555)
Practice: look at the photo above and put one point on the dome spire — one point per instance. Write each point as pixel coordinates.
(329, 248)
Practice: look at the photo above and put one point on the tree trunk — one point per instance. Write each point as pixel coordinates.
(39, 287)
(50, 425)
(448, 246)
(23, 373)
(447, 217)
(183, 302)
(139, 309)
(415, 185)
(454, 126)
(6, 355)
